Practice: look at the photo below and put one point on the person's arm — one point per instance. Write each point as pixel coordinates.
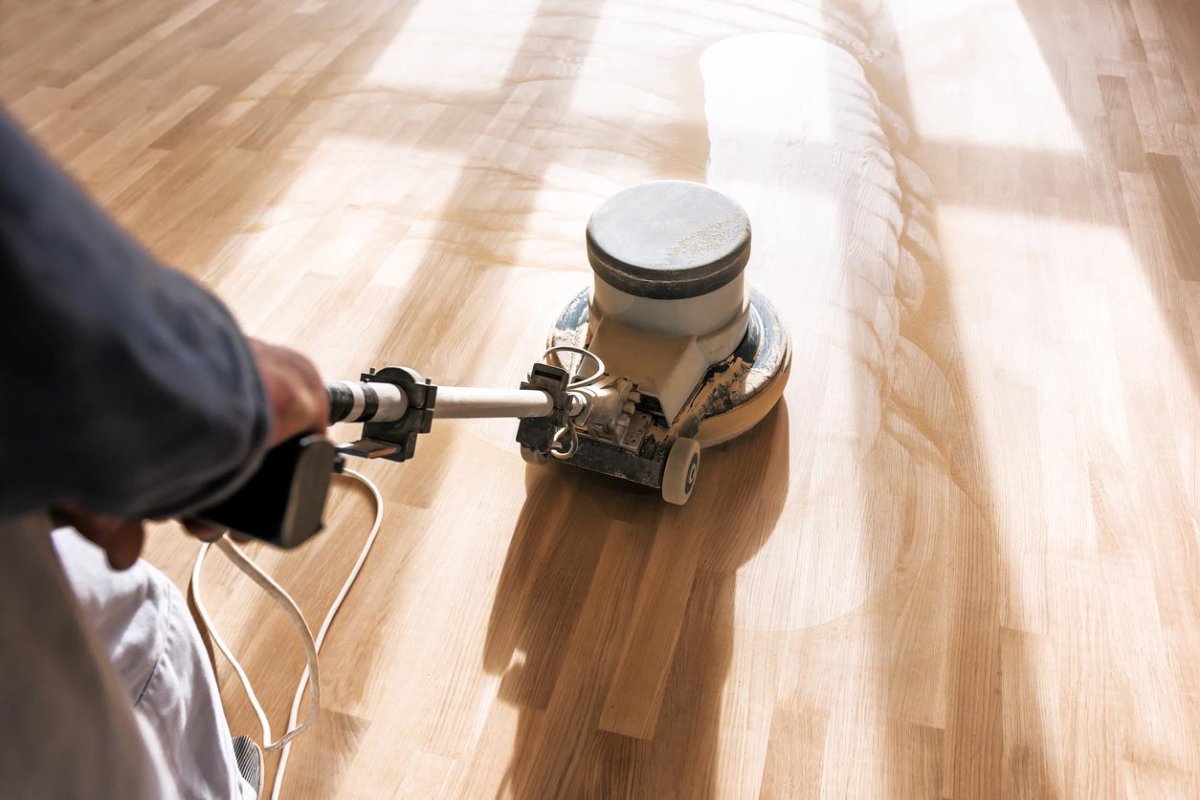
(125, 388)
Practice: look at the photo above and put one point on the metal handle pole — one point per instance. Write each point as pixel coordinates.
(468, 402)
(352, 401)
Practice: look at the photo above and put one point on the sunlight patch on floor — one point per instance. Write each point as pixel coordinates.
(416, 59)
(1004, 95)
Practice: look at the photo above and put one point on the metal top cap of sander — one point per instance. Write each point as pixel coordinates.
(668, 240)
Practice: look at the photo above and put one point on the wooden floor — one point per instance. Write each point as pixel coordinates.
(961, 560)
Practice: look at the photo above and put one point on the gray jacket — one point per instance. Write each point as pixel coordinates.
(124, 385)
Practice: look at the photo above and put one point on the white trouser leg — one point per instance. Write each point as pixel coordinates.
(68, 730)
(142, 621)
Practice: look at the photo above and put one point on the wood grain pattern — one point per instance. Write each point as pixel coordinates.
(959, 561)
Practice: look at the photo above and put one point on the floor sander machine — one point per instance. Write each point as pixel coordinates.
(668, 352)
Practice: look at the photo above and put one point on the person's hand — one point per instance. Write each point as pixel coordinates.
(295, 392)
(298, 401)
(121, 539)
(298, 404)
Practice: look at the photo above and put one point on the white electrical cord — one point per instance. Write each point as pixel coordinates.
(312, 646)
(280, 595)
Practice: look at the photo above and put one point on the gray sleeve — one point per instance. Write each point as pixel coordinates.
(124, 385)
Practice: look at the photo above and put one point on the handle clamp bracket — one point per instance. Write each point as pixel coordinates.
(538, 433)
(397, 440)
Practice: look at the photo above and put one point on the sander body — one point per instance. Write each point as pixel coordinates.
(682, 353)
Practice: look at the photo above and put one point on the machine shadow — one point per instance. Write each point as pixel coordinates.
(563, 613)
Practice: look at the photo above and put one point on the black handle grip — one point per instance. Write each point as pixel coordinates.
(283, 503)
